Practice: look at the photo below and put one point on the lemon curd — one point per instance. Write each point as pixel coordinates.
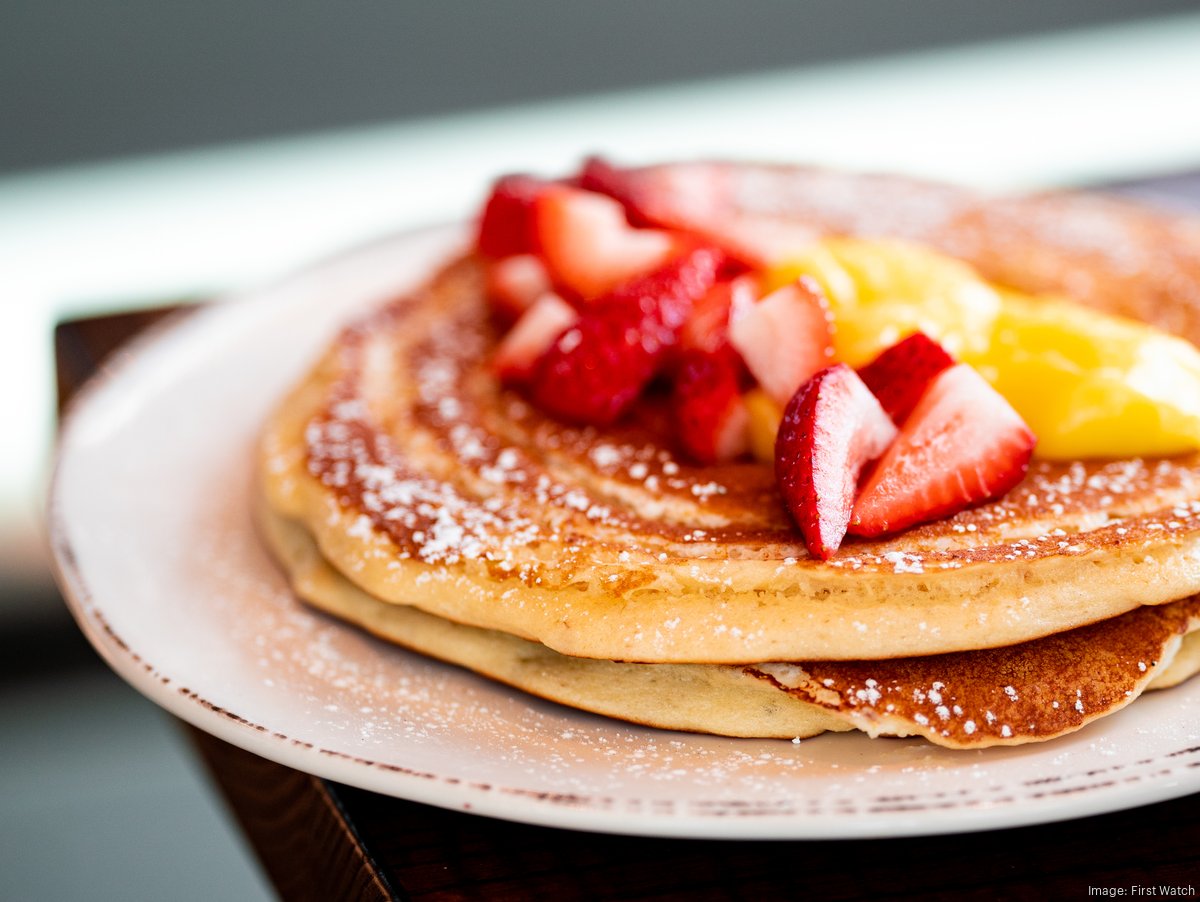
(879, 291)
(1088, 384)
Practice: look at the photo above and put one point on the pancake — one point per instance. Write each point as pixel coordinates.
(426, 484)
(1029, 692)
(404, 490)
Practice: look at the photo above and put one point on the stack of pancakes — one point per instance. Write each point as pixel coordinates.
(404, 490)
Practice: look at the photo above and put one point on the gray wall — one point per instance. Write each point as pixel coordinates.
(86, 79)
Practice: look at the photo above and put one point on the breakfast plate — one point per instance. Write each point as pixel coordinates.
(157, 554)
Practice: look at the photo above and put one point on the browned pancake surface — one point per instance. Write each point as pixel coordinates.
(1010, 695)
(427, 484)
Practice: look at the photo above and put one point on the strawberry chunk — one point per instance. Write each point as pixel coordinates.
(698, 198)
(598, 367)
(785, 337)
(899, 376)
(679, 196)
(506, 226)
(589, 246)
(545, 320)
(963, 444)
(832, 428)
(514, 283)
(713, 422)
(707, 329)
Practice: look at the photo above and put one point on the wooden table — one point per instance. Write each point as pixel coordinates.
(321, 840)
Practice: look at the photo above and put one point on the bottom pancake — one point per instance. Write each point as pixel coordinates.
(1029, 692)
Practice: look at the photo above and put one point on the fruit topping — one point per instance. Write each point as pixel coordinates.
(961, 445)
(620, 277)
(711, 417)
(881, 290)
(899, 376)
(708, 326)
(784, 338)
(1090, 384)
(686, 197)
(589, 246)
(506, 226)
(1094, 385)
(696, 198)
(765, 415)
(599, 366)
(547, 318)
(832, 428)
(514, 283)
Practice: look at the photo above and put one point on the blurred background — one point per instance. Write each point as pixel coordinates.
(155, 152)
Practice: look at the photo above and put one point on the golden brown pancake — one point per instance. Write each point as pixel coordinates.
(1029, 692)
(430, 490)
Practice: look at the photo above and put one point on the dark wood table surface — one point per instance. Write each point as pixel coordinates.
(322, 840)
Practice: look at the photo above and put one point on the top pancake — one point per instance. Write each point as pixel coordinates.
(426, 484)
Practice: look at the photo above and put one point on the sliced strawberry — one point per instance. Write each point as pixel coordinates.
(532, 335)
(707, 329)
(506, 226)
(514, 283)
(831, 429)
(712, 420)
(589, 246)
(961, 445)
(698, 198)
(679, 196)
(785, 337)
(597, 368)
(899, 376)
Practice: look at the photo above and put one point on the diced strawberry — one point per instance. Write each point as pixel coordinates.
(697, 198)
(899, 376)
(598, 368)
(506, 227)
(712, 420)
(514, 283)
(831, 429)
(545, 320)
(589, 246)
(963, 444)
(785, 337)
(707, 329)
(678, 196)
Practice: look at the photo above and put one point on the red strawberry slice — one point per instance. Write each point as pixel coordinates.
(899, 376)
(785, 337)
(506, 226)
(598, 368)
(713, 422)
(514, 283)
(963, 444)
(545, 320)
(831, 429)
(679, 196)
(707, 329)
(698, 198)
(588, 244)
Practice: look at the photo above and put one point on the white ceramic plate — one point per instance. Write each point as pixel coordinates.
(156, 552)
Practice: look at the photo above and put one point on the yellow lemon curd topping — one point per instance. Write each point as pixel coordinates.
(765, 416)
(1089, 384)
(880, 291)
